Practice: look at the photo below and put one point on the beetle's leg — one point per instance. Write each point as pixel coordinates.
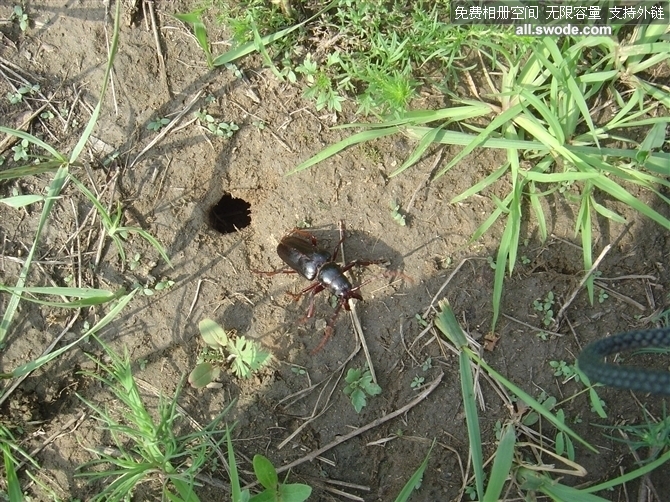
(274, 272)
(304, 233)
(361, 263)
(314, 288)
(328, 332)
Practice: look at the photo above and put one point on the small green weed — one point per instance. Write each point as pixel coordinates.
(299, 370)
(397, 215)
(653, 435)
(158, 124)
(150, 288)
(602, 296)
(274, 490)
(134, 262)
(21, 150)
(215, 126)
(115, 230)
(359, 385)
(17, 97)
(246, 355)
(147, 448)
(19, 15)
(545, 308)
(564, 370)
(421, 320)
(417, 382)
(427, 364)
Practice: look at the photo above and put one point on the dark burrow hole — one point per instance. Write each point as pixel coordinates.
(230, 214)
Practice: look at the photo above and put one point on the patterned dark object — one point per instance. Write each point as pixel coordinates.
(591, 361)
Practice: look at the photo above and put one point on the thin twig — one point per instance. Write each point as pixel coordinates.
(76, 421)
(354, 316)
(195, 298)
(621, 297)
(552, 333)
(10, 139)
(444, 285)
(168, 127)
(593, 268)
(357, 432)
(48, 350)
(159, 50)
(426, 179)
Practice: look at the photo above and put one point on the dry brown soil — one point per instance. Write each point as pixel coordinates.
(169, 192)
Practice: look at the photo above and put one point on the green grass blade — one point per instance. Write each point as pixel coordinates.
(458, 113)
(415, 480)
(54, 191)
(575, 96)
(560, 177)
(35, 141)
(13, 486)
(495, 124)
(232, 465)
(538, 482)
(105, 82)
(584, 225)
(421, 148)
(618, 192)
(447, 323)
(23, 200)
(536, 205)
(249, 47)
(502, 464)
(490, 220)
(260, 48)
(194, 18)
(24, 369)
(630, 476)
(30, 170)
(184, 489)
(478, 187)
(341, 145)
(472, 420)
(87, 298)
(501, 263)
(597, 77)
(530, 401)
(150, 239)
(549, 117)
(607, 213)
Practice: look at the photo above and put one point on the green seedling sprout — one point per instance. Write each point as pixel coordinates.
(246, 356)
(158, 124)
(397, 215)
(360, 385)
(19, 15)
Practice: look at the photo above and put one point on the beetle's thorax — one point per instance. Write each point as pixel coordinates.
(331, 276)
